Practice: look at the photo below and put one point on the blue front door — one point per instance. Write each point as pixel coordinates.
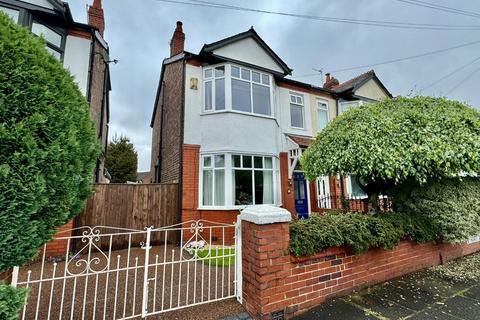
(300, 191)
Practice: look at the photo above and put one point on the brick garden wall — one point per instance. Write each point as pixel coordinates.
(58, 247)
(273, 280)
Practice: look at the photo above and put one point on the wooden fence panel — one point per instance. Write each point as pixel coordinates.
(132, 206)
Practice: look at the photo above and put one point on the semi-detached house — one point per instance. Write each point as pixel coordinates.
(229, 128)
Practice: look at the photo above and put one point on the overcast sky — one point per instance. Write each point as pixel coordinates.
(139, 31)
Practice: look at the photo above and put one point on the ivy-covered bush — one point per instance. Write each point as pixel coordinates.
(357, 231)
(11, 301)
(451, 205)
(47, 141)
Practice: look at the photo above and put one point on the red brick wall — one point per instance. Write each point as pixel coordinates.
(58, 247)
(274, 280)
(288, 200)
(190, 201)
(166, 152)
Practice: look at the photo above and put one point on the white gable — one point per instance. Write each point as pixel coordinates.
(249, 51)
(41, 3)
(371, 90)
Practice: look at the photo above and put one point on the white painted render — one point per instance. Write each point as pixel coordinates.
(249, 51)
(77, 60)
(371, 90)
(40, 3)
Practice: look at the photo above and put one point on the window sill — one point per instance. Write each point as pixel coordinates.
(205, 113)
(227, 208)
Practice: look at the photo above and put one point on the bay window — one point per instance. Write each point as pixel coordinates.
(252, 180)
(214, 84)
(232, 180)
(213, 170)
(296, 111)
(248, 91)
(322, 114)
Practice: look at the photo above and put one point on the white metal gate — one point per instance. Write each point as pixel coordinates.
(117, 273)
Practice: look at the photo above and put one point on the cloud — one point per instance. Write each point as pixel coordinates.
(138, 33)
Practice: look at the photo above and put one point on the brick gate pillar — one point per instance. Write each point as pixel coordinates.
(265, 259)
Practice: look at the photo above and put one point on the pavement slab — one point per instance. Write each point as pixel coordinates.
(336, 310)
(462, 307)
(379, 305)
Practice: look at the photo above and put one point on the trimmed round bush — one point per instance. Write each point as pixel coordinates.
(452, 206)
(48, 145)
(395, 140)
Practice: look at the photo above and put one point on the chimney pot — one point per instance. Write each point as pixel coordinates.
(177, 44)
(96, 17)
(330, 81)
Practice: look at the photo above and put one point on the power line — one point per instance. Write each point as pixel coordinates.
(463, 80)
(450, 74)
(399, 59)
(377, 23)
(441, 8)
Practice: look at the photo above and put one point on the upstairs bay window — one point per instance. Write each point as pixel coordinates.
(250, 91)
(296, 111)
(214, 85)
(236, 88)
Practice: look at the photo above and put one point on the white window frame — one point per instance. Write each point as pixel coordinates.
(349, 190)
(297, 103)
(323, 102)
(229, 188)
(213, 79)
(323, 201)
(228, 89)
(357, 103)
(213, 169)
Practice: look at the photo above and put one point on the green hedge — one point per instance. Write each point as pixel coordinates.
(357, 231)
(11, 301)
(48, 145)
(452, 205)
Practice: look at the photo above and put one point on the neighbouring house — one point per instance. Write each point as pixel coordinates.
(144, 177)
(229, 127)
(81, 49)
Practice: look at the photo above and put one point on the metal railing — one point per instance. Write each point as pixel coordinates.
(353, 203)
(147, 277)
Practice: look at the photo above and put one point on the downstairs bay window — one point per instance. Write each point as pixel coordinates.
(237, 180)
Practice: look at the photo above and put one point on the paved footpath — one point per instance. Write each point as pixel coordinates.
(418, 296)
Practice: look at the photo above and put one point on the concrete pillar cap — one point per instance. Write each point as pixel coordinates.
(265, 214)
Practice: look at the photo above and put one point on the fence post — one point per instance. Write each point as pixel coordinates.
(145, 275)
(238, 259)
(265, 258)
(14, 277)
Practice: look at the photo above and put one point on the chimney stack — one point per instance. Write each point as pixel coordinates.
(95, 16)
(177, 44)
(330, 82)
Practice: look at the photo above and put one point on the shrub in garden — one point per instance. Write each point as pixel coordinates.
(48, 147)
(357, 231)
(451, 205)
(396, 140)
